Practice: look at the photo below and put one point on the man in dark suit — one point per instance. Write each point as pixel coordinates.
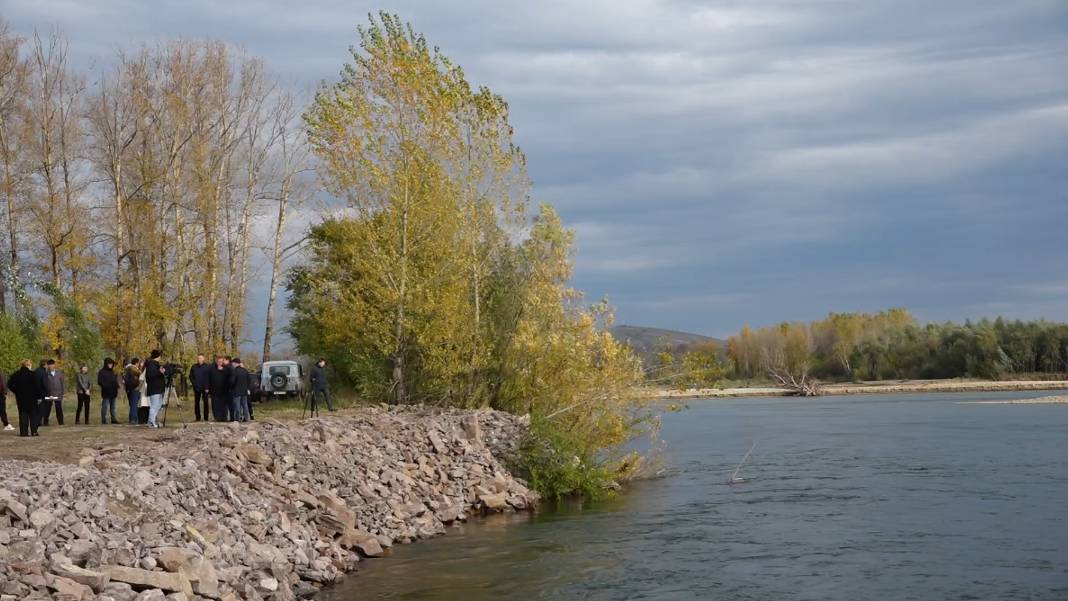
(219, 385)
(24, 384)
(200, 378)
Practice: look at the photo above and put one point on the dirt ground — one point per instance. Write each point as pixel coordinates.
(64, 443)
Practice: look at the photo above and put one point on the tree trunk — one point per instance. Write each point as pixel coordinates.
(400, 394)
(276, 265)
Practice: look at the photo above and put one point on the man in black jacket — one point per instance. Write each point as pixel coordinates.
(200, 379)
(219, 386)
(239, 384)
(319, 385)
(108, 381)
(24, 384)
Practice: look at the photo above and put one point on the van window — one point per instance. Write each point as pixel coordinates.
(280, 369)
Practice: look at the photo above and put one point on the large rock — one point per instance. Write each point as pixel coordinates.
(436, 442)
(12, 506)
(173, 558)
(338, 510)
(81, 551)
(471, 428)
(94, 580)
(119, 591)
(367, 544)
(15, 589)
(494, 502)
(255, 454)
(143, 480)
(68, 590)
(41, 518)
(139, 578)
(201, 573)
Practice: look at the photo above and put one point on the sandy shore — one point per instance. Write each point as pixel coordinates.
(894, 387)
(1044, 400)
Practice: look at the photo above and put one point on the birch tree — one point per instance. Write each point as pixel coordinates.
(292, 189)
(379, 134)
(13, 105)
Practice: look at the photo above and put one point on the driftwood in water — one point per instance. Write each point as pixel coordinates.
(803, 386)
(734, 479)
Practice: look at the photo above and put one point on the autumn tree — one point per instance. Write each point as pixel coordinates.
(14, 74)
(435, 285)
(426, 164)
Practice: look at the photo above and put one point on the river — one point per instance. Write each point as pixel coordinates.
(862, 497)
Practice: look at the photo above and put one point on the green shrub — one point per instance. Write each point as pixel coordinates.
(13, 344)
(557, 466)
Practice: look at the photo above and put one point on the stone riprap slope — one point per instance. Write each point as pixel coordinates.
(266, 510)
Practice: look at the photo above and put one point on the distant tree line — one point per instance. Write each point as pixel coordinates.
(893, 345)
(697, 365)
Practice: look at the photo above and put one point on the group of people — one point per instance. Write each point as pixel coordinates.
(224, 386)
(38, 391)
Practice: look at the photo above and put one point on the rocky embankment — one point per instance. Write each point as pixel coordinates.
(267, 510)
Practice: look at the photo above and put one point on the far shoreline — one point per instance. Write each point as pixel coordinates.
(850, 389)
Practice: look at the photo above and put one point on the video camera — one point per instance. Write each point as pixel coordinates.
(174, 377)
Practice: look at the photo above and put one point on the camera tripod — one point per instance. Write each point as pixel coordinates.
(311, 404)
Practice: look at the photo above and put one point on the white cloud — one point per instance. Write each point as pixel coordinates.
(933, 156)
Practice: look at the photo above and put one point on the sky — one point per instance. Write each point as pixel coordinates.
(730, 163)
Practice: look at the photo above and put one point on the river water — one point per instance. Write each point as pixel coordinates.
(863, 497)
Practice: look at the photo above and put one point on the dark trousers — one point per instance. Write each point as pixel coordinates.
(315, 399)
(3, 411)
(142, 415)
(46, 411)
(220, 404)
(83, 405)
(200, 397)
(28, 418)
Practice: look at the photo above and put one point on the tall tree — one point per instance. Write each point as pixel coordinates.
(56, 180)
(386, 136)
(291, 190)
(14, 71)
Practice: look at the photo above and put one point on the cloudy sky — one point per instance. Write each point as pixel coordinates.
(735, 162)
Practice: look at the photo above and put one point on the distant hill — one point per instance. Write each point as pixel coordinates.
(646, 342)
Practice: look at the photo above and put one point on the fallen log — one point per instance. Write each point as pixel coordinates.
(803, 386)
